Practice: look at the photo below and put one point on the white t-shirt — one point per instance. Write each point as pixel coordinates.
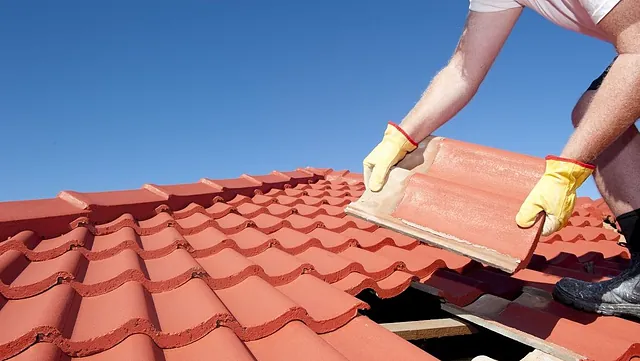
(577, 15)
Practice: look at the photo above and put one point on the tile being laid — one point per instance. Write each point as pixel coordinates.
(460, 197)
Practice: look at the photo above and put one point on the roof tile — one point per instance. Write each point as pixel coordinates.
(49, 217)
(466, 184)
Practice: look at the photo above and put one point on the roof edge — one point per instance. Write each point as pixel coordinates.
(52, 217)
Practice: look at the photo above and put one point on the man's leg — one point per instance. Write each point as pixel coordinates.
(617, 172)
(618, 167)
(617, 177)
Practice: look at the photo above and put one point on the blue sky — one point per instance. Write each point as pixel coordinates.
(111, 95)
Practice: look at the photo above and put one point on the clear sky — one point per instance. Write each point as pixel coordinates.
(107, 95)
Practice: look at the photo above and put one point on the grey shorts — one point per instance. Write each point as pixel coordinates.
(595, 85)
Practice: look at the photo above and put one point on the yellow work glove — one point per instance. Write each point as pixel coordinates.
(555, 194)
(394, 146)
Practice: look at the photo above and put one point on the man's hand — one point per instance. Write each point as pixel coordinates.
(394, 146)
(554, 194)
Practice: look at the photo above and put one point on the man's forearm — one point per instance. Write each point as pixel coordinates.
(615, 107)
(447, 94)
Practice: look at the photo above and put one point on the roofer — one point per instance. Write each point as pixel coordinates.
(605, 141)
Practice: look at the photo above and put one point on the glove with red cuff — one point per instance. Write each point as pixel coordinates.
(554, 194)
(394, 146)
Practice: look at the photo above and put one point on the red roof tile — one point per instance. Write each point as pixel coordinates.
(473, 193)
(259, 268)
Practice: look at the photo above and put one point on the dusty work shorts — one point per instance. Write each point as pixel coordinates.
(595, 85)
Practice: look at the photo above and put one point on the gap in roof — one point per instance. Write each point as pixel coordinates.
(416, 305)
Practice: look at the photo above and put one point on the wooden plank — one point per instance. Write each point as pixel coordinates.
(425, 329)
(482, 313)
(537, 355)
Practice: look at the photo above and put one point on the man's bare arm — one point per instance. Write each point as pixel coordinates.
(616, 105)
(483, 37)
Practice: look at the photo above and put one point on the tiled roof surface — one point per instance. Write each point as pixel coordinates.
(260, 268)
